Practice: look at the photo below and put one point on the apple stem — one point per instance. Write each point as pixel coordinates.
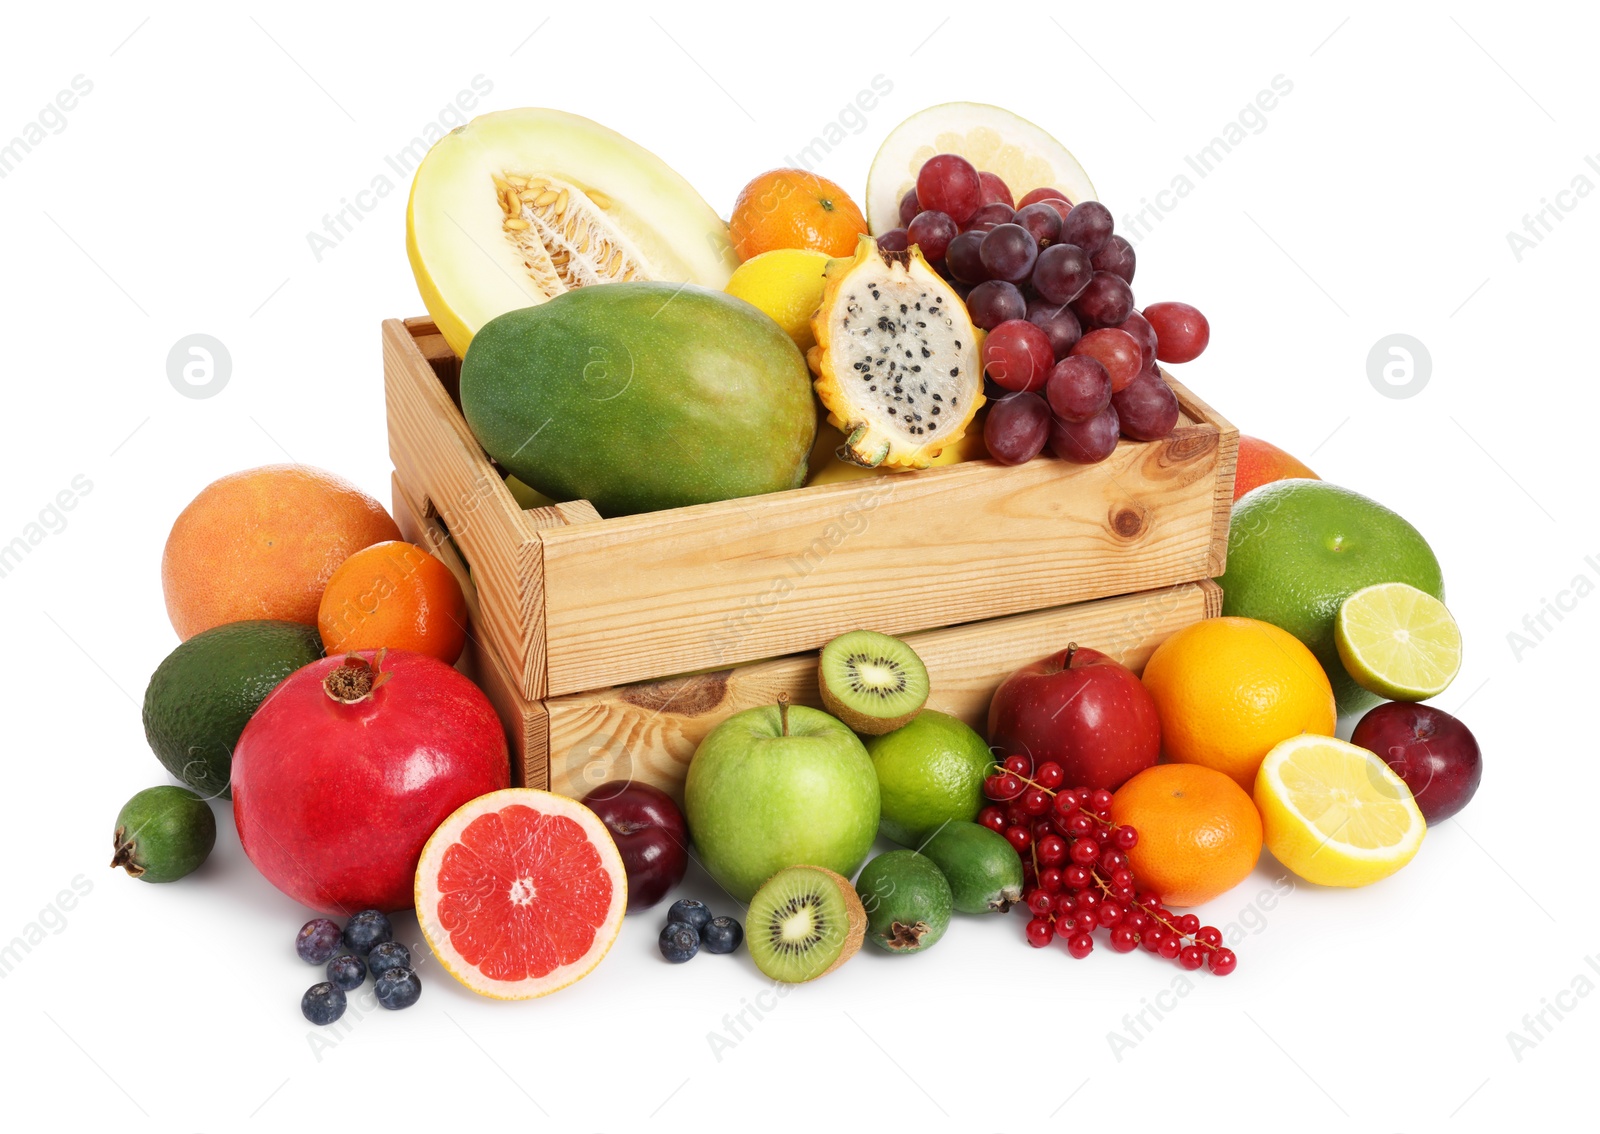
(1072, 648)
(783, 712)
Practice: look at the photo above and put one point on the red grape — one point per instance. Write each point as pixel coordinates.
(932, 231)
(1057, 321)
(1078, 388)
(1009, 252)
(1086, 442)
(1143, 334)
(994, 302)
(1043, 193)
(1061, 272)
(1088, 226)
(1116, 351)
(1042, 222)
(1116, 256)
(962, 258)
(1018, 356)
(949, 183)
(988, 217)
(1106, 301)
(994, 189)
(1146, 407)
(895, 240)
(909, 207)
(1181, 331)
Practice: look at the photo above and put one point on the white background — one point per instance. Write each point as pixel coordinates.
(1376, 199)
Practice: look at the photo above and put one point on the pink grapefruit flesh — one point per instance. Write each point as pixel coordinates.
(520, 893)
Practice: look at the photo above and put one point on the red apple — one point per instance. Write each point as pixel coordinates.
(1079, 709)
(1430, 750)
(650, 834)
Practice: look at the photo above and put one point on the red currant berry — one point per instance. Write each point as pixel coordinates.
(1126, 838)
(1209, 935)
(1050, 880)
(1152, 938)
(1049, 775)
(1191, 957)
(1040, 933)
(1052, 850)
(1020, 838)
(1018, 765)
(1071, 800)
(1036, 801)
(993, 818)
(1076, 877)
(1016, 816)
(1080, 824)
(1040, 902)
(1110, 913)
(1086, 899)
(1100, 800)
(1223, 962)
(1080, 945)
(1063, 808)
(1064, 905)
(1122, 880)
(1111, 860)
(1138, 920)
(1169, 948)
(1149, 899)
(1065, 927)
(1188, 925)
(1124, 939)
(1084, 851)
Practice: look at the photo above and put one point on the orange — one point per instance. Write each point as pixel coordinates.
(790, 208)
(394, 596)
(1199, 832)
(1261, 462)
(1229, 689)
(262, 544)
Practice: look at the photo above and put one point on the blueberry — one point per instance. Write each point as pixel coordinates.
(721, 935)
(398, 988)
(366, 929)
(388, 955)
(322, 1004)
(318, 940)
(347, 971)
(680, 941)
(689, 912)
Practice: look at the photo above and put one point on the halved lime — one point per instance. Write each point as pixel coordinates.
(1398, 642)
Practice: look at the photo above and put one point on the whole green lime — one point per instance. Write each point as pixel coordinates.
(1298, 548)
(930, 772)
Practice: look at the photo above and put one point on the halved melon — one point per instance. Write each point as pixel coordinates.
(1021, 154)
(518, 206)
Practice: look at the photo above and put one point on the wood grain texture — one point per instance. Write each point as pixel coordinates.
(571, 601)
(649, 731)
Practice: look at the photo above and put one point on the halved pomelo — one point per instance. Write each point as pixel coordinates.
(519, 206)
(520, 893)
(1021, 154)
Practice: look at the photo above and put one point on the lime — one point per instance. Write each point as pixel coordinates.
(1398, 642)
(1298, 548)
(930, 772)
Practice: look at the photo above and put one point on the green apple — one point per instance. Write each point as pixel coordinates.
(780, 786)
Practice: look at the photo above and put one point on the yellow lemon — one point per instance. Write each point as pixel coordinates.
(786, 283)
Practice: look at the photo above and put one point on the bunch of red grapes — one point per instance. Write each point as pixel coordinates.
(1076, 875)
(1073, 360)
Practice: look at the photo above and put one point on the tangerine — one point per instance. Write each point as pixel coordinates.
(394, 595)
(1199, 832)
(791, 208)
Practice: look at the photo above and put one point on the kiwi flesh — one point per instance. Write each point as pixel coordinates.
(803, 923)
(872, 682)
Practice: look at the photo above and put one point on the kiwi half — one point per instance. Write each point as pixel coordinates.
(803, 923)
(872, 682)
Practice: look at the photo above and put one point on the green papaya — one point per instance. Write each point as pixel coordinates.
(641, 396)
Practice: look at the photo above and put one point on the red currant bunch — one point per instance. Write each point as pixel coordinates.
(1076, 877)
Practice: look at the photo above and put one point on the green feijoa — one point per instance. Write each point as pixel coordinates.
(984, 871)
(907, 900)
(163, 833)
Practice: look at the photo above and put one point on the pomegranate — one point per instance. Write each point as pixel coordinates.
(351, 764)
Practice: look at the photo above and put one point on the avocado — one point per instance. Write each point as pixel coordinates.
(641, 396)
(203, 694)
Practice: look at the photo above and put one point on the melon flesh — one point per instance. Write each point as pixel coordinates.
(519, 206)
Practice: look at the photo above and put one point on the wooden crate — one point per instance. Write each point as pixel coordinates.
(572, 602)
(648, 731)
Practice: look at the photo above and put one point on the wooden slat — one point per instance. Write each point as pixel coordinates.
(526, 722)
(649, 731)
(723, 583)
(1227, 469)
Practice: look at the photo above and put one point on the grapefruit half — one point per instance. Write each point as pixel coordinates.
(520, 893)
